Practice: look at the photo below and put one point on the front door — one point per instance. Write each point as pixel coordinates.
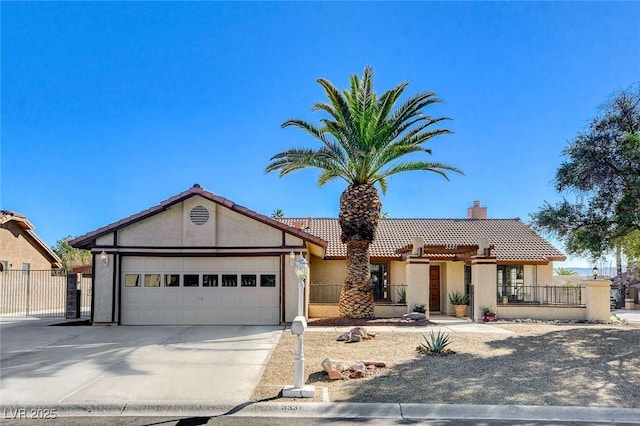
(434, 288)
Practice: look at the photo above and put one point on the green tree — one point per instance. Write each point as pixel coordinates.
(364, 139)
(277, 213)
(565, 272)
(71, 256)
(600, 180)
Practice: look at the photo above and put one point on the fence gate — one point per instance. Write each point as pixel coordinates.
(40, 293)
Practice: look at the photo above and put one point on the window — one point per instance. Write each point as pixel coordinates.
(229, 280)
(267, 280)
(209, 280)
(172, 280)
(511, 282)
(152, 280)
(26, 267)
(4, 266)
(191, 280)
(379, 280)
(248, 280)
(132, 280)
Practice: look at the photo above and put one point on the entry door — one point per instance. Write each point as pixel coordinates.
(434, 288)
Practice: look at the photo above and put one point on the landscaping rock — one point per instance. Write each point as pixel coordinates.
(415, 316)
(349, 369)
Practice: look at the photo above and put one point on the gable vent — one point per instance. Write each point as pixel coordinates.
(199, 215)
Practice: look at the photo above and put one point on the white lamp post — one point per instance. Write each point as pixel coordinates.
(298, 326)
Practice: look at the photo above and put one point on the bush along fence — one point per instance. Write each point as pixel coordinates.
(43, 293)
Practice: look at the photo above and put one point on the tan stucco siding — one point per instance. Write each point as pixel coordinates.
(545, 274)
(16, 249)
(106, 240)
(397, 272)
(162, 229)
(224, 228)
(201, 234)
(327, 271)
(452, 279)
(236, 230)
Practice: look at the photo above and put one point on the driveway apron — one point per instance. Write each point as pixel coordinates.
(53, 365)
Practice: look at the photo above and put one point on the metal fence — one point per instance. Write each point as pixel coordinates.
(330, 293)
(544, 295)
(39, 293)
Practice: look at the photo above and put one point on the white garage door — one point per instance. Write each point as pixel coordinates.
(179, 291)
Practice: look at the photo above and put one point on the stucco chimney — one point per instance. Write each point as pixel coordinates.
(476, 212)
(418, 246)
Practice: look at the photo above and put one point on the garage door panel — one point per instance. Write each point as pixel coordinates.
(201, 305)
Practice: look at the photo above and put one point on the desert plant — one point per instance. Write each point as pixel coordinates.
(458, 298)
(488, 310)
(402, 295)
(437, 343)
(420, 307)
(565, 271)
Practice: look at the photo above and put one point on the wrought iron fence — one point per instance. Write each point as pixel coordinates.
(330, 293)
(543, 295)
(39, 293)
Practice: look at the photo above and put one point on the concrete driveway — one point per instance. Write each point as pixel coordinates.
(45, 365)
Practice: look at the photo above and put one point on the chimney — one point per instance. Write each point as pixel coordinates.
(476, 212)
(418, 246)
(308, 226)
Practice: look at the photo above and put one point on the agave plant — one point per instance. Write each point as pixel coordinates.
(436, 344)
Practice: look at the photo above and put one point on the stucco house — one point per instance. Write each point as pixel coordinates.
(21, 248)
(198, 258)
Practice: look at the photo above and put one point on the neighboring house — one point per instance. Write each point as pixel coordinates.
(198, 258)
(630, 278)
(20, 247)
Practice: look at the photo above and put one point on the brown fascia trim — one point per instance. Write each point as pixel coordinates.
(85, 241)
(174, 254)
(117, 248)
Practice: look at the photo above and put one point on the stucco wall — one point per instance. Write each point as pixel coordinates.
(545, 274)
(161, 230)
(103, 291)
(452, 279)
(327, 271)
(16, 249)
(225, 228)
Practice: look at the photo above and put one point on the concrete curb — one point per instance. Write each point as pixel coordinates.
(331, 410)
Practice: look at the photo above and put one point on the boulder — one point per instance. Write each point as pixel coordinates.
(415, 316)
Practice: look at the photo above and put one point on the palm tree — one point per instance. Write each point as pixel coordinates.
(565, 272)
(364, 141)
(277, 213)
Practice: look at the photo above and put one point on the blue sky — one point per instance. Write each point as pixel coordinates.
(110, 107)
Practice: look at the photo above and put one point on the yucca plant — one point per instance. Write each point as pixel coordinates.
(436, 344)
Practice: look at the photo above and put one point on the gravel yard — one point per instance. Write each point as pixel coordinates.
(539, 364)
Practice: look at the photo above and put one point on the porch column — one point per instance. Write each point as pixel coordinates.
(484, 277)
(597, 300)
(417, 275)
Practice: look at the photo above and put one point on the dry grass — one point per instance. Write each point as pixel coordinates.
(540, 364)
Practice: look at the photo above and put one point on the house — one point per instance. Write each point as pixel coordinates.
(21, 248)
(198, 258)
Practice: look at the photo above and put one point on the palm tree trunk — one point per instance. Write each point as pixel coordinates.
(359, 215)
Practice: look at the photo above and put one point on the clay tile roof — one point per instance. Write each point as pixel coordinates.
(88, 240)
(512, 239)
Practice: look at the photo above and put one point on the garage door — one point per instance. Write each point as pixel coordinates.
(184, 291)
